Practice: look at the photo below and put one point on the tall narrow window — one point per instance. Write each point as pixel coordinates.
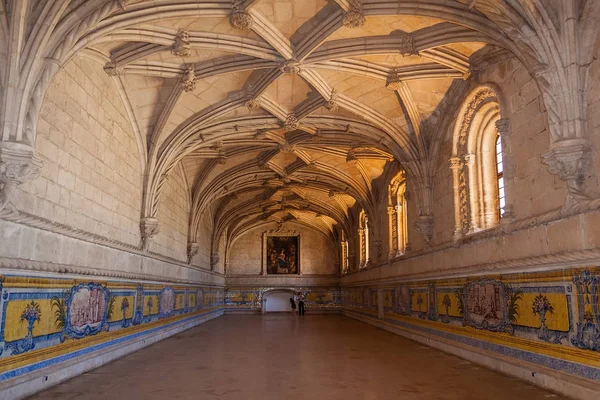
(344, 253)
(500, 177)
(397, 215)
(363, 233)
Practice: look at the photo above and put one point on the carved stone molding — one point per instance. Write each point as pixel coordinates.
(111, 69)
(393, 81)
(291, 123)
(291, 67)
(148, 229)
(192, 250)
(354, 17)
(424, 226)
(570, 160)
(188, 82)
(16, 166)
(333, 104)
(181, 47)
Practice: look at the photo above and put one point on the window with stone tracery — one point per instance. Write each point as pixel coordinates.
(398, 232)
(478, 164)
(363, 234)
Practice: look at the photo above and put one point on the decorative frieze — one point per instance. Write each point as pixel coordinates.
(181, 47)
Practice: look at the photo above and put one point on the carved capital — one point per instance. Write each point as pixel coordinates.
(332, 104)
(391, 210)
(111, 69)
(148, 229)
(503, 127)
(424, 226)
(393, 81)
(188, 82)
(291, 67)
(192, 250)
(181, 47)
(291, 123)
(16, 166)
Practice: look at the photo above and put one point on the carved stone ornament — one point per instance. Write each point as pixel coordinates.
(214, 259)
(253, 103)
(332, 104)
(148, 229)
(354, 17)
(181, 47)
(189, 79)
(407, 45)
(192, 250)
(291, 123)
(570, 159)
(393, 81)
(424, 225)
(291, 67)
(111, 69)
(240, 18)
(16, 166)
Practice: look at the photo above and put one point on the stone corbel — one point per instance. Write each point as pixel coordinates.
(570, 160)
(148, 229)
(214, 260)
(333, 102)
(424, 226)
(16, 166)
(192, 250)
(188, 82)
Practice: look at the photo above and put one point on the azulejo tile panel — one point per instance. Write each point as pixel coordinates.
(45, 317)
(250, 298)
(551, 318)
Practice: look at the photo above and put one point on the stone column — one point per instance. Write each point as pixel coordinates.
(473, 214)
(17, 164)
(393, 241)
(503, 128)
(400, 239)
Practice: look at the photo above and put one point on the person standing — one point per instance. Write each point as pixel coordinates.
(293, 305)
(301, 307)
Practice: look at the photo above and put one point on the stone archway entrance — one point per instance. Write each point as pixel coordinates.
(277, 300)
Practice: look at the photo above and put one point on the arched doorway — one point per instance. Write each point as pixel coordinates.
(277, 300)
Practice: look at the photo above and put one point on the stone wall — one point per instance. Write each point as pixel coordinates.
(91, 179)
(317, 253)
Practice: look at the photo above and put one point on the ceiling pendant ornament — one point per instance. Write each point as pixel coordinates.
(332, 104)
(181, 47)
(354, 17)
(239, 17)
(291, 123)
(189, 79)
(393, 81)
(291, 67)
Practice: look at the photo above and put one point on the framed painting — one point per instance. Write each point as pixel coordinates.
(281, 254)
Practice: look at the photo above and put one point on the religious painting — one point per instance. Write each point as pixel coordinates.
(86, 310)
(282, 255)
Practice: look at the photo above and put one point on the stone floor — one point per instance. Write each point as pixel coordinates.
(283, 357)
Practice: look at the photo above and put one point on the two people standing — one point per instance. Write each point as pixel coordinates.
(300, 306)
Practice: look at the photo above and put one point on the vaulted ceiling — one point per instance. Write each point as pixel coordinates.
(284, 110)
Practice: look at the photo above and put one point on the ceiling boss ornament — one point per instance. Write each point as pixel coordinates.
(354, 17)
(393, 81)
(291, 67)
(291, 123)
(189, 79)
(239, 17)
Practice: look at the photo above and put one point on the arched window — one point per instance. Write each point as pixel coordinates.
(477, 163)
(363, 234)
(344, 253)
(398, 232)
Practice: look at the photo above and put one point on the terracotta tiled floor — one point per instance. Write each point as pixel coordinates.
(282, 357)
